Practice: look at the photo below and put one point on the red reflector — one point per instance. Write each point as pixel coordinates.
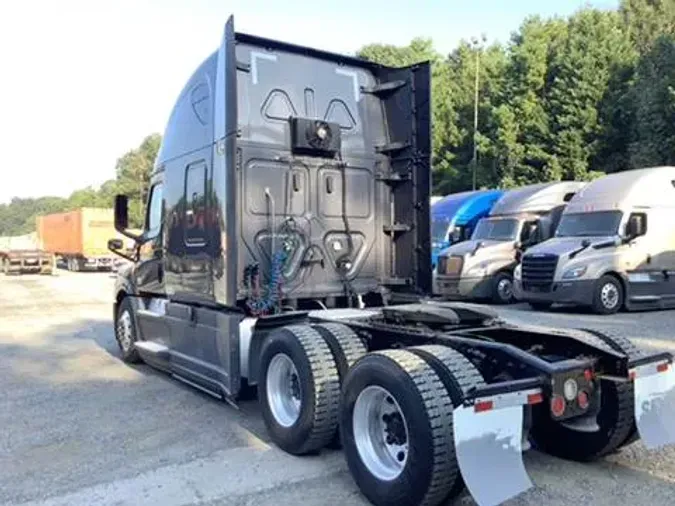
(582, 399)
(588, 375)
(483, 406)
(662, 367)
(557, 406)
(632, 375)
(535, 398)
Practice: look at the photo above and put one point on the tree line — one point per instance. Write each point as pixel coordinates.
(132, 172)
(564, 98)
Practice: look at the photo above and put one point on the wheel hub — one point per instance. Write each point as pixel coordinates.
(505, 289)
(380, 433)
(124, 331)
(609, 295)
(284, 392)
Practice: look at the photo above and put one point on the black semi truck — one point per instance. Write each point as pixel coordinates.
(286, 252)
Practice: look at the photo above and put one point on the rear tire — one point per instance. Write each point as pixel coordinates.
(125, 332)
(459, 376)
(346, 348)
(397, 394)
(616, 417)
(298, 389)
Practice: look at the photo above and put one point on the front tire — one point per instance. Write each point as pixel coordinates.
(608, 295)
(395, 423)
(298, 389)
(502, 290)
(125, 332)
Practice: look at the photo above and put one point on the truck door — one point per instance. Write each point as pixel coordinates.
(150, 268)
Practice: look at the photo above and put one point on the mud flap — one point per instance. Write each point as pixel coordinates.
(488, 443)
(655, 403)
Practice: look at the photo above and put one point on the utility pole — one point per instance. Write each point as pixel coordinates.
(474, 162)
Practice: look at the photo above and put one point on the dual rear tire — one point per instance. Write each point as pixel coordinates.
(393, 409)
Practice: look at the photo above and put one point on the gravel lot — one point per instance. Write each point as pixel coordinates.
(79, 427)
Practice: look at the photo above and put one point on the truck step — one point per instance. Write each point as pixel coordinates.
(157, 350)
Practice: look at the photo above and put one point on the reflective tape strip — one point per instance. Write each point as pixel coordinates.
(500, 401)
(649, 369)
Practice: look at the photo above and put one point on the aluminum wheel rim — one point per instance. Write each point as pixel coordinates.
(382, 441)
(125, 330)
(505, 289)
(284, 393)
(609, 295)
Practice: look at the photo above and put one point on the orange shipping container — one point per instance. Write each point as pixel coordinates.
(82, 232)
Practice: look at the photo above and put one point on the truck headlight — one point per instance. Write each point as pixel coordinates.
(517, 273)
(575, 273)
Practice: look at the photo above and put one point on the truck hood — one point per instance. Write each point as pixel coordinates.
(488, 248)
(562, 246)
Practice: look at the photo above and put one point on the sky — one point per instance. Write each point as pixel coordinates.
(84, 81)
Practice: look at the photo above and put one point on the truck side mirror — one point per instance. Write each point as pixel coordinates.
(455, 235)
(121, 213)
(636, 226)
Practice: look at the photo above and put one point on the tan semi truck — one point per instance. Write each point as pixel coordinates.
(614, 247)
(482, 268)
(79, 238)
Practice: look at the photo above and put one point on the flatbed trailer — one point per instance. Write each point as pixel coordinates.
(22, 261)
(23, 255)
(318, 304)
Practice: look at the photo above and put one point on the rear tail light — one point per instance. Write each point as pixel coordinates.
(582, 400)
(557, 406)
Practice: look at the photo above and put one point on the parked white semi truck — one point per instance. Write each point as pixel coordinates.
(482, 268)
(614, 247)
(292, 184)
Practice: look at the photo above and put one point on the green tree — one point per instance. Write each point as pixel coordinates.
(596, 45)
(522, 121)
(133, 175)
(654, 94)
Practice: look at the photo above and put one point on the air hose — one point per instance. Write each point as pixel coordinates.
(270, 302)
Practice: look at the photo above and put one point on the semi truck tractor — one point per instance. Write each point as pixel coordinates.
(482, 268)
(454, 217)
(614, 247)
(78, 238)
(286, 250)
(22, 255)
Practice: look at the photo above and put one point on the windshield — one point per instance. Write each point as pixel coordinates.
(600, 223)
(439, 229)
(496, 230)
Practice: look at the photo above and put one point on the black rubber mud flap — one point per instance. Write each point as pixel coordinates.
(317, 385)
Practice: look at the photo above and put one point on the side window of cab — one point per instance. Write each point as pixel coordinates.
(153, 222)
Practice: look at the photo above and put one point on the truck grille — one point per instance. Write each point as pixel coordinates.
(450, 265)
(538, 272)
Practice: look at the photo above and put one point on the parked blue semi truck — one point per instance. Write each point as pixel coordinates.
(454, 217)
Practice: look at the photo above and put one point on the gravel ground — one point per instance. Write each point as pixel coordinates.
(79, 427)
